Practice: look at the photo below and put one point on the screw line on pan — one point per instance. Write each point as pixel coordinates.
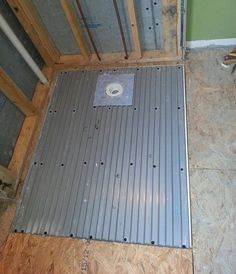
(87, 29)
(121, 28)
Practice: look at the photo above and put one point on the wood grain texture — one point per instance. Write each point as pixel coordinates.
(33, 25)
(179, 19)
(76, 29)
(38, 254)
(15, 95)
(211, 101)
(134, 28)
(115, 60)
(30, 130)
(6, 176)
(7, 213)
(170, 18)
(105, 258)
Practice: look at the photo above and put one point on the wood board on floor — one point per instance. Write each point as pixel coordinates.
(25, 253)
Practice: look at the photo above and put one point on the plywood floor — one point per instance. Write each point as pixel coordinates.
(211, 101)
(28, 254)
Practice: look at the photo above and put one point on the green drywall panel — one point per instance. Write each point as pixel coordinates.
(211, 19)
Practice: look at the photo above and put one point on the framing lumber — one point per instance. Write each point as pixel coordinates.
(76, 29)
(134, 28)
(7, 177)
(116, 60)
(33, 25)
(170, 15)
(15, 95)
(178, 28)
(171, 52)
(30, 131)
(65, 255)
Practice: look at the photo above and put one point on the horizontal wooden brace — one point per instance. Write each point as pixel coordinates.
(15, 95)
(112, 60)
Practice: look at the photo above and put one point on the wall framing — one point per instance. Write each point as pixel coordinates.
(31, 22)
(172, 43)
(29, 133)
(28, 16)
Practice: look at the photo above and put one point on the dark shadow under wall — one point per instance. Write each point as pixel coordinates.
(11, 120)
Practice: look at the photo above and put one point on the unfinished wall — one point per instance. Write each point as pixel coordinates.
(103, 24)
(11, 118)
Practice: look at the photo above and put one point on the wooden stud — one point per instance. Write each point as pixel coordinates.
(30, 131)
(170, 54)
(29, 18)
(7, 177)
(134, 28)
(76, 29)
(15, 95)
(178, 28)
(115, 60)
(22, 144)
(169, 24)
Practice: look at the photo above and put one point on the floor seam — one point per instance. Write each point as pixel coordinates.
(214, 169)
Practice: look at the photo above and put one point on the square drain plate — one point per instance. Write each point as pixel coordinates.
(114, 90)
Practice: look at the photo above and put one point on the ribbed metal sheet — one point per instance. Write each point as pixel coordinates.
(112, 173)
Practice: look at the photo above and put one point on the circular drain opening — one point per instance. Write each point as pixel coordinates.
(114, 89)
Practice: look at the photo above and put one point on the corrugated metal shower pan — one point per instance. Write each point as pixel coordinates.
(116, 173)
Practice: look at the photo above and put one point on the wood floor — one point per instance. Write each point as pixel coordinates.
(26, 254)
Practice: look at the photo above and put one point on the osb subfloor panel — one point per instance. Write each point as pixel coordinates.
(37, 254)
(211, 103)
(7, 213)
